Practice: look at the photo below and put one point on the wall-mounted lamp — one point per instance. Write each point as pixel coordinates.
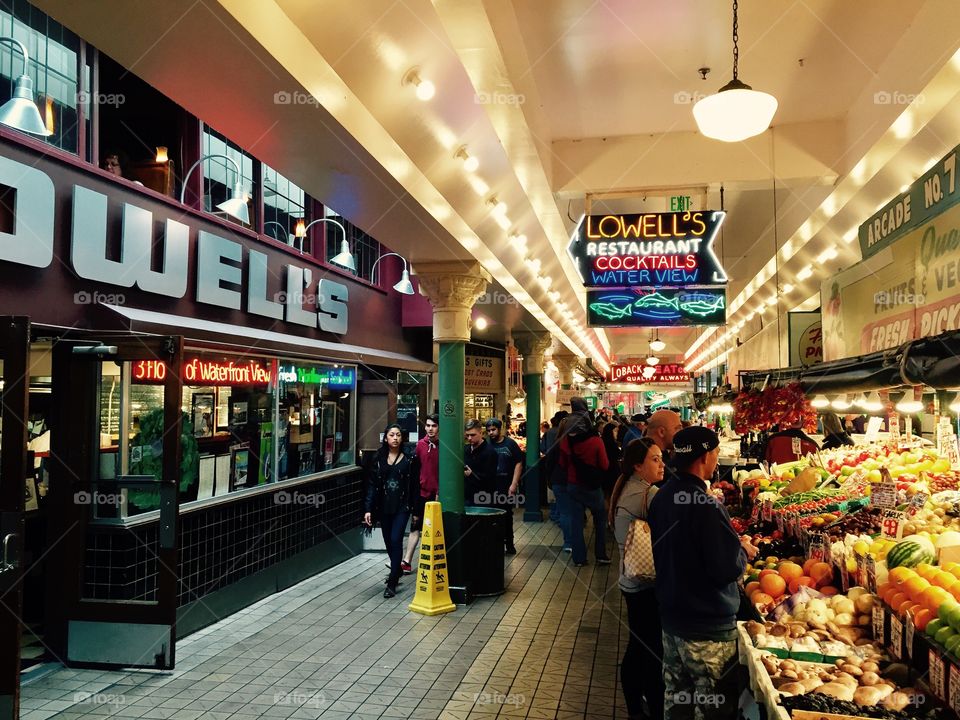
(470, 162)
(284, 237)
(424, 88)
(236, 206)
(20, 111)
(404, 286)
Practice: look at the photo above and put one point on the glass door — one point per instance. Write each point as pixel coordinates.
(14, 391)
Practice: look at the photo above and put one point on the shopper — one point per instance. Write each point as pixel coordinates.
(393, 486)
(479, 466)
(662, 426)
(699, 559)
(613, 457)
(557, 478)
(834, 434)
(641, 671)
(428, 455)
(635, 430)
(509, 467)
(584, 459)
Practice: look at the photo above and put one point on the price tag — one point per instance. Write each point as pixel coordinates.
(878, 623)
(916, 505)
(780, 521)
(862, 570)
(891, 524)
(909, 635)
(893, 422)
(871, 573)
(873, 429)
(818, 549)
(954, 689)
(840, 571)
(935, 675)
(767, 511)
(896, 637)
(795, 446)
(754, 514)
(908, 426)
(884, 495)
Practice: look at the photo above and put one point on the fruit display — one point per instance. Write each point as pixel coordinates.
(865, 521)
(910, 552)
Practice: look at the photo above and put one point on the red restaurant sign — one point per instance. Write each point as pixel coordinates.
(205, 372)
(633, 373)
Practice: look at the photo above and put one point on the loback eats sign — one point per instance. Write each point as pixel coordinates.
(218, 261)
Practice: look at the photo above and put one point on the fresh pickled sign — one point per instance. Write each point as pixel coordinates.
(934, 192)
(645, 307)
(650, 250)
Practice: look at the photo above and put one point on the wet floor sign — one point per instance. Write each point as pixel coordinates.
(432, 576)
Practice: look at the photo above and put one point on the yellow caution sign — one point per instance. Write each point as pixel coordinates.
(433, 588)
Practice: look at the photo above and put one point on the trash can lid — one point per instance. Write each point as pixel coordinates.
(476, 510)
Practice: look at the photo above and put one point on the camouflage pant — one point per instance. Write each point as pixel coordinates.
(700, 677)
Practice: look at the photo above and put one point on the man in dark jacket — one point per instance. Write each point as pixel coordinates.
(509, 468)
(480, 466)
(699, 560)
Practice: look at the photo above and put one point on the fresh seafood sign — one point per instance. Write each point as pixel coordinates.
(656, 307)
(648, 250)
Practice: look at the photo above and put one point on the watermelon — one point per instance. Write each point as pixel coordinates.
(910, 552)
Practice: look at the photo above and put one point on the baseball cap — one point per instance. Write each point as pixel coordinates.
(693, 442)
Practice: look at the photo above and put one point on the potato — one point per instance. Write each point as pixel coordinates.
(793, 688)
(838, 690)
(897, 701)
(869, 678)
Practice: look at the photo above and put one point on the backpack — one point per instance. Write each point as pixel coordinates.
(589, 476)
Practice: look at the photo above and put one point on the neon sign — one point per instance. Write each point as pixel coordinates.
(341, 378)
(634, 373)
(651, 250)
(205, 372)
(656, 307)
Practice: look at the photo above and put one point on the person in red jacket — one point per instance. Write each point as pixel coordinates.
(428, 453)
(584, 458)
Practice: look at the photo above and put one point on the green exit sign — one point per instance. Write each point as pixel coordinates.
(680, 203)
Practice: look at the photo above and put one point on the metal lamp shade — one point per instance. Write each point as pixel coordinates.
(404, 287)
(236, 206)
(21, 112)
(736, 112)
(345, 257)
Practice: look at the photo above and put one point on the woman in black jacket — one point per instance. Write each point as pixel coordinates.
(392, 487)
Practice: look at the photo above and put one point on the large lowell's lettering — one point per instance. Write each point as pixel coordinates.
(219, 261)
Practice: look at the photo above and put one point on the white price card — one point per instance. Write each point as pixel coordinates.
(873, 429)
(884, 495)
(935, 674)
(878, 623)
(891, 524)
(896, 637)
(871, 573)
(954, 689)
(909, 635)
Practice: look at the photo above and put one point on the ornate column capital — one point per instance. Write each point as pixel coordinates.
(452, 289)
(532, 345)
(566, 363)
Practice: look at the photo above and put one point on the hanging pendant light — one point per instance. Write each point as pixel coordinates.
(658, 345)
(737, 111)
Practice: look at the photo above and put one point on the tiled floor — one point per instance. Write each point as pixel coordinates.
(332, 647)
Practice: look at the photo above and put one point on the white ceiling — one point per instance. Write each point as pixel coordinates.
(587, 96)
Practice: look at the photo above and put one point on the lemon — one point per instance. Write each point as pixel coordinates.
(860, 548)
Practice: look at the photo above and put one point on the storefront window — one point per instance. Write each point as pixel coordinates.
(54, 52)
(315, 424)
(284, 204)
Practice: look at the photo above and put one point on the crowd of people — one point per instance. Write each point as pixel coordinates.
(681, 657)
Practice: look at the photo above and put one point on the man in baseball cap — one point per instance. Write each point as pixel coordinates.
(699, 560)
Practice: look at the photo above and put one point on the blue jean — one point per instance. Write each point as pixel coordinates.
(582, 499)
(392, 527)
(563, 512)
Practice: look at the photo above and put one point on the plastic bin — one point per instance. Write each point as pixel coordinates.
(483, 529)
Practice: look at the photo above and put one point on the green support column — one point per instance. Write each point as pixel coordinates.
(532, 383)
(452, 288)
(451, 426)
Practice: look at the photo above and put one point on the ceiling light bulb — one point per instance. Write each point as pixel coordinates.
(819, 401)
(841, 403)
(653, 360)
(909, 406)
(470, 162)
(534, 265)
(829, 254)
(787, 288)
(499, 207)
(658, 345)
(480, 323)
(805, 273)
(502, 220)
(519, 241)
(545, 281)
(424, 88)
(772, 300)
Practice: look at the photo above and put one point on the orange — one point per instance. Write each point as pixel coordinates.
(922, 617)
(911, 608)
(801, 581)
(761, 598)
(881, 588)
(900, 575)
(902, 608)
(897, 599)
(933, 597)
(887, 597)
(914, 587)
(768, 571)
(772, 585)
(955, 591)
(789, 571)
(751, 587)
(821, 573)
(828, 590)
(807, 565)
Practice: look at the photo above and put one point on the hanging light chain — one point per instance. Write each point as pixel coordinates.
(736, 49)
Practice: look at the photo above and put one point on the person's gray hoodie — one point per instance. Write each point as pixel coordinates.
(631, 507)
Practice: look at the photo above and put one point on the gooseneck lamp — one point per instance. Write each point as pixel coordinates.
(236, 206)
(20, 111)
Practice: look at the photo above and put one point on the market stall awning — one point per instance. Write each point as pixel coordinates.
(251, 337)
(933, 362)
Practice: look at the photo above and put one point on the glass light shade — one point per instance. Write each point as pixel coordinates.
(819, 401)
(872, 402)
(236, 206)
(955, 406)
(841, 403)
(162, 156)
(405, 287)
(658, 345)
(909, 406)
(736, 112)
(300, 230)
(653, 360)
(21, 112)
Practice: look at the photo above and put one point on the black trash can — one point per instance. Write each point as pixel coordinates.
(482, 538)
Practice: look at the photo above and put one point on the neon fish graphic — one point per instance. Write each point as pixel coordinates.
(656, 300)
(611, 311)
(703, 307)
